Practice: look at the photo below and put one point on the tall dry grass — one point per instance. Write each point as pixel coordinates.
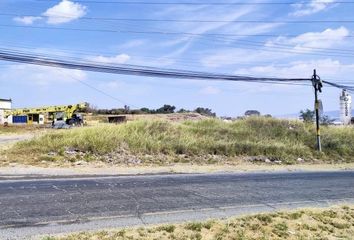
(275, 139)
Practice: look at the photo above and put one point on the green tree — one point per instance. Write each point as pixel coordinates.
(205, 111)
(307, 115)
(145, 110)
(126, 109)
(182, 110)
(326, 120)
(166, 109)
(250, 113)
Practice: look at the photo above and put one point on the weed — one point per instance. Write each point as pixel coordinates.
(196, 236)
(121, 233)
(167, 228)
(339, 224)
(281, 229)
(330, 213)
(295, 215)
(255, 227)
(265, 219)
(209, 224)
(194, 226)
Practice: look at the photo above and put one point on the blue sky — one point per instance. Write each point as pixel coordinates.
(284, 50)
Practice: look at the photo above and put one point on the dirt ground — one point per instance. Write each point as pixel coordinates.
(92, 169)
(175, 117)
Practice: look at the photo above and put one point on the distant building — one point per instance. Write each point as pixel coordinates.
(5, 104)
(252, 113)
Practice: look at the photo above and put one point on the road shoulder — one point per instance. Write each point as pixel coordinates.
(113, 223)
(18, 171)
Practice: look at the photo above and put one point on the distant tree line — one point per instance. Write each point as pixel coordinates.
(309, 116)
(165, 109)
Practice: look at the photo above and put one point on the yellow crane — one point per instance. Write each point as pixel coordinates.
(65, 113)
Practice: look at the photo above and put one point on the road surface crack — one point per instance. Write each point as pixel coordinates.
(137, 207)
(59, 189)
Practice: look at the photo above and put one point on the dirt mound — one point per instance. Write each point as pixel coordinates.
(174, 117)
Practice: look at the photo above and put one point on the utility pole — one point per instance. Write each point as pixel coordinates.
(317, 84)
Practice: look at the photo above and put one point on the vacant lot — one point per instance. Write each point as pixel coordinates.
(202, 142)
(334, 223)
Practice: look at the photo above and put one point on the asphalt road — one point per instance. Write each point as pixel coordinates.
(43, 206)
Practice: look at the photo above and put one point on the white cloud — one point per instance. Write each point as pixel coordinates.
(306, 41)
(119, 59)
(326, 68)
(27, 20)
(41, 75)
(281, 48)
(314, 6)
(228, 24)
(65, 11)
(210, 90)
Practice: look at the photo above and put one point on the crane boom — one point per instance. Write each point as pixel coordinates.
(68, 109)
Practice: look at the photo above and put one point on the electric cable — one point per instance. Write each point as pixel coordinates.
(126, 69)
(198, 3)
(97, 18)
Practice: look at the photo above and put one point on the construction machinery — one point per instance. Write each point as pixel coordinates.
(67, 114)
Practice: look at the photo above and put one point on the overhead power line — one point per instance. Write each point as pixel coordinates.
(182, 62)
(95, 88)
(156, 32)
(198, 3)
(286, 48)
(36, 59)
(342, 86)
(147, 32)
(277, 47)
(274, 47)
(184, 20)
(188, 62)
(42, 60)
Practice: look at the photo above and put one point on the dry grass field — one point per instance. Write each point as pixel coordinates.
(210, 141)
(310, 224)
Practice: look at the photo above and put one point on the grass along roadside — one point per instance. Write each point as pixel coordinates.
(331, 223)
(198, 142)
